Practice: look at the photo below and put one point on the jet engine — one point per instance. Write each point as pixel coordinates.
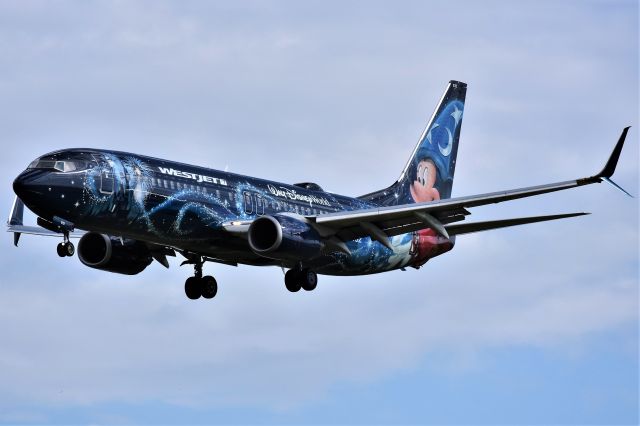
(113, 254)
(284, 237)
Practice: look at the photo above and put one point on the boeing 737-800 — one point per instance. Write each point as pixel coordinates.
(130, 209)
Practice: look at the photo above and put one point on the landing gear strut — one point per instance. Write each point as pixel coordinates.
(300, 278)
(66, 248)
(197, 286)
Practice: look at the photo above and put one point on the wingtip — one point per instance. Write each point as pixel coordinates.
(610, 167)
(615, 185)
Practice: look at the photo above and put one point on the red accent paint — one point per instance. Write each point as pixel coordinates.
(426, 244)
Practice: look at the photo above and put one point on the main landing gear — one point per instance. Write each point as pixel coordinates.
(198, 285)
(299, 278)
(66, 248)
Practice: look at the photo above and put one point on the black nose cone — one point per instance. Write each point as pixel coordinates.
(19, 185)
(25, 185)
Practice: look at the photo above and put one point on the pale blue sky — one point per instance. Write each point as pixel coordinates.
(529, 325)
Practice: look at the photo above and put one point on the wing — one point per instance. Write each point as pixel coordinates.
(383, 222)
(380, 223)
(15, 224)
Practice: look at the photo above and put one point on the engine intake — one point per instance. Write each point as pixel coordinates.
(284, 237)
(112, 254)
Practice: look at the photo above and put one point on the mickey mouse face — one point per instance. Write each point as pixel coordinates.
(422, 189)
(426, 174)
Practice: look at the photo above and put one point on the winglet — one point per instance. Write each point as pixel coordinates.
(16, 218)
(615, 185)
(17, 212)
(610, 167)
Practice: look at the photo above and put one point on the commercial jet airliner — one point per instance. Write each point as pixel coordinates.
(130, 209)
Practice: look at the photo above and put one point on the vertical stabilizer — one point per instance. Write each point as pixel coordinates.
(428, 175)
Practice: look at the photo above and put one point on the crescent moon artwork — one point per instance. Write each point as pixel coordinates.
(447, 149)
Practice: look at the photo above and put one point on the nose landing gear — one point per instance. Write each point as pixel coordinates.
(199, 286)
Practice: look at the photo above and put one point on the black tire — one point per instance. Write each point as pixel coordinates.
(308, 279)
(209, 287)
(292, 281)
(69, 249)
(61, 249)
(193, 288)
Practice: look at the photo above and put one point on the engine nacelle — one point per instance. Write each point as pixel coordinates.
(284, 237)
(112, 254)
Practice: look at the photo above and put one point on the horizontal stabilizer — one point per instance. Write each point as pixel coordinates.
(467, 228)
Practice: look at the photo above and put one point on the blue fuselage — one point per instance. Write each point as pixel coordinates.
(182, 206)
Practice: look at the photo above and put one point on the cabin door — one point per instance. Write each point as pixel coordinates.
(107, 182)
(248, 202)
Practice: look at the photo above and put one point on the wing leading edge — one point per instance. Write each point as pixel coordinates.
(16, 225)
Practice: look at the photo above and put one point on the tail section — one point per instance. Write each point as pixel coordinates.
(428, 175)
(429, 171)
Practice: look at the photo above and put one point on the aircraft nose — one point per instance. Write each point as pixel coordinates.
(24, 185)
(19, 184)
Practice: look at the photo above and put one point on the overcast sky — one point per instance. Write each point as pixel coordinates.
(535, 324)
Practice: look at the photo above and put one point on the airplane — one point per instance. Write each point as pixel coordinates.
(129, 210)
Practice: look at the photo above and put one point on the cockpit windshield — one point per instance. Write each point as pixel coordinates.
(61, 166)
(62, 163)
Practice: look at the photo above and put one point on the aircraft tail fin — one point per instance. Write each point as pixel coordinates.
(428, 174)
